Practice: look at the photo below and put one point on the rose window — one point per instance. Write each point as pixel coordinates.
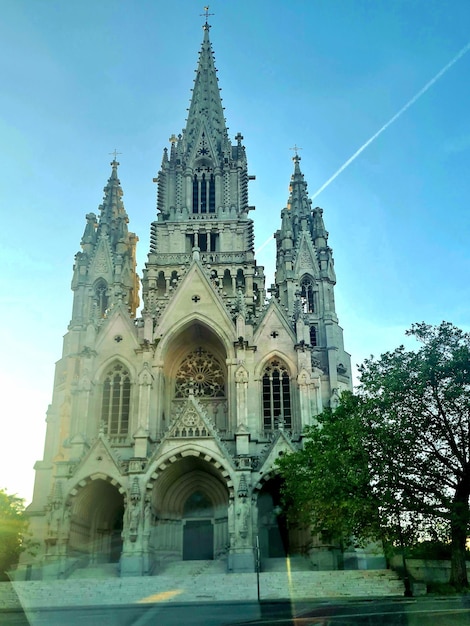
(201, 374)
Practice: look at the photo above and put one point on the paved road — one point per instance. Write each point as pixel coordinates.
(400, 612)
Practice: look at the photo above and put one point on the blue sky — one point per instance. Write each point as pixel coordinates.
(80, 79)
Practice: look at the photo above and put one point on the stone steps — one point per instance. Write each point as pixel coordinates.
(209, 586)
(293, 563)
(97, 571)
(192, 568)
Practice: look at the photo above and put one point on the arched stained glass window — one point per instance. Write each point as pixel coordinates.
(276, 396)
(115, 407)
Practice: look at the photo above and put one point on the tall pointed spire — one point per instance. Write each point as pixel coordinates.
(299, 202)
(202, 202)
(298, 216)
(105, 270)
(113, 218)
(206, 103)
(302, 242)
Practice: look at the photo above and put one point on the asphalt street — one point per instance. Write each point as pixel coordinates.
(426, 611)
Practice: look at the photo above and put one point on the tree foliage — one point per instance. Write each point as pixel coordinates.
(13, 528)
(327, 483)
(397, 453)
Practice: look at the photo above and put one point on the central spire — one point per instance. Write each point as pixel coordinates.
(202, 204)
(206, 104)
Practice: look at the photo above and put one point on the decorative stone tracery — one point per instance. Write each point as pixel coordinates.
(200, 374)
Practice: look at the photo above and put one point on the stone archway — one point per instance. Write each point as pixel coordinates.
(97, 512)
(198, 366)
(278, 538)
(190, 499)
(272, 525)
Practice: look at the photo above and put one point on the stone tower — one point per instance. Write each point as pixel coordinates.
(165, 425)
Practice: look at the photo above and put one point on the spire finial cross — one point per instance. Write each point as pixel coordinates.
(296, 149)
(206, 13)
(115, 153)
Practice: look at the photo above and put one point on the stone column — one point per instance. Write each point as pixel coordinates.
(132, 558)
(303, 380)
(241, 556)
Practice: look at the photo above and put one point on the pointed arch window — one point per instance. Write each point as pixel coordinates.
(161, 284)
(307, 294)
(101, 297)
(115, 406)
(277, 410)
(313, 336)
(203, 191)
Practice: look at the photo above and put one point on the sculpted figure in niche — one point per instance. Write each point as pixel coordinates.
(134, 517)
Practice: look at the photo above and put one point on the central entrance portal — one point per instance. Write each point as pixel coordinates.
(198, 540)
(190, 500)
(198, 528)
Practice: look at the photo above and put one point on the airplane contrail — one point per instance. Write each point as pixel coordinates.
(404, 108)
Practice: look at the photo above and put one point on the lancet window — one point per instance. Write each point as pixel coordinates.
(101, 297)
(203, 191)
(277, 412)
(206, 242)
(313, 336)
(115, 407)
(307, 295)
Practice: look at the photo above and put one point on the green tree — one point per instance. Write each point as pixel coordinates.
(393, 461)
(13, 528)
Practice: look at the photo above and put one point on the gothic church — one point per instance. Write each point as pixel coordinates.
(165, 424)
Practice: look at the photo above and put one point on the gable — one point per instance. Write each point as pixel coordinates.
(196, 298)
(273, 331)
(118, 332)
(98, 459)
(281, 445)
(191, 422)
(306, 258)
(203, 148)
(101, 265)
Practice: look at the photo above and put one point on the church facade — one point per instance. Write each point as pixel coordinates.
(165, 424)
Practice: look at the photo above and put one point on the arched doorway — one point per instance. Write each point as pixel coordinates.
(96, 522)
(198, 527)
(272, 524)
(190, 499)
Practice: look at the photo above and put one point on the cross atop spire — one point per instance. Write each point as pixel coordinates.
(295, 148)
(206, 15)
(114, 162)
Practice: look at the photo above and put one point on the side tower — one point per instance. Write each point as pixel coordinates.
(105, 271)
(304, 286)
(76, 518)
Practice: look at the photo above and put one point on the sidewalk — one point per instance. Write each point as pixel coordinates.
(201, 588)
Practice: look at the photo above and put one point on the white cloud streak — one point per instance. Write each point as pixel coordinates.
(404, 108)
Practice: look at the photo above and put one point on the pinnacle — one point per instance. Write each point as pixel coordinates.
(206, 103)
(114, 174)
